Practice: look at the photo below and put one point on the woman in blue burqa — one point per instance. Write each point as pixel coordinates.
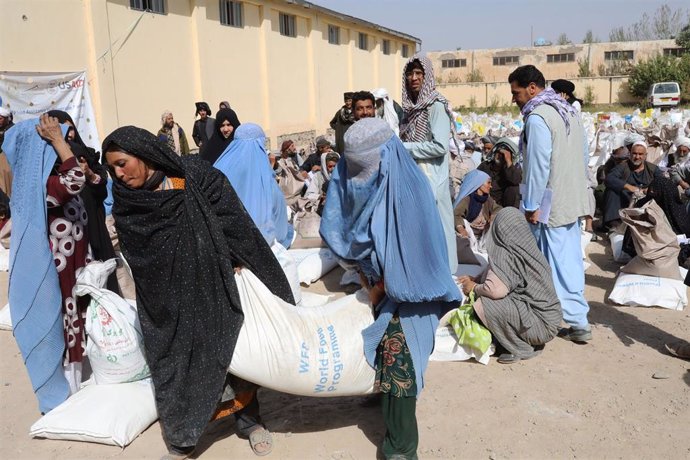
(246, 165)
(381, 216)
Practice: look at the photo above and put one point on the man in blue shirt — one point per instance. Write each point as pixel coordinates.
(554, 189)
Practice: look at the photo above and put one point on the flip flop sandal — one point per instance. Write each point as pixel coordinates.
(679, 350)
(508, 358)
(261, 436)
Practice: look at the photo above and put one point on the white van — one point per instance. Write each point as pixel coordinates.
(665, 94)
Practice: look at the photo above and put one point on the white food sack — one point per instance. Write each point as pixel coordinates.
(304, 351)
(105, 414)
(115, 341)
(446, 348)
(616, 240)
(650, 291)
(4, 259)
(289, 267)
(313, 263)
(5, 318)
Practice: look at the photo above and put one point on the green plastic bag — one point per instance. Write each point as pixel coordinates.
(468, 330)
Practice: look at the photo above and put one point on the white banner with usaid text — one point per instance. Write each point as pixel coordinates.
(29, 94)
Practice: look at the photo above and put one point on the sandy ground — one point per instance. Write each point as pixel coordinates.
(586, 401)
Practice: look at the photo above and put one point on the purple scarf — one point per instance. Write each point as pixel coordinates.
(549, 97)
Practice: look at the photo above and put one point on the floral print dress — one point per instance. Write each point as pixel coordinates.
(69, 243)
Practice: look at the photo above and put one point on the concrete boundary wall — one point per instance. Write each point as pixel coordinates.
(605, 90)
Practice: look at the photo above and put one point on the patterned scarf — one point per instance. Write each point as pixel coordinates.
(172, 140)
(549, 97)
(415, 127)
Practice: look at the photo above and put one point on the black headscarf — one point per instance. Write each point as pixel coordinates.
(217, 144)
(665, 193)
(93, 196)
(182, 246)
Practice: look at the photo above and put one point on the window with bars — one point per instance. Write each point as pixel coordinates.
(287, 25)
(154, 6)
(619, 55)
(450, 63)
(405, 51)
(674, 52)
(231, 13)
(333, 35)
(563, 57)
(507, 60)
(386, 45)
(363, 41)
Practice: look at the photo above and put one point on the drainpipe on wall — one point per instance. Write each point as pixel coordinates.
(610, 90)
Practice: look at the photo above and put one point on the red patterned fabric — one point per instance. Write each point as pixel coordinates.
(69, 243)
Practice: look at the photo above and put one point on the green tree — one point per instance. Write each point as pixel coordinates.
(590, 38)
(663, 24)
(683, 38)
(657, 69)
(474, 76)
(583, 68)
(619, 34)
(563, 40)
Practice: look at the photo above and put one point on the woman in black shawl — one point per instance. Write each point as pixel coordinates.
(223, 133)
(93, 195)
(665, 193)
(184, 231)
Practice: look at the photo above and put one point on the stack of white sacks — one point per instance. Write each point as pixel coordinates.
(117, 403)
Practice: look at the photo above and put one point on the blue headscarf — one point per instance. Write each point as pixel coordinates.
(34, 289)
(380, 208)
(470, 183)
(245, 164)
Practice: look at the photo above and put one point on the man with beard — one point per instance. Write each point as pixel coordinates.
(554, 148)
(363, 103)
(426, 132)
(290, 180)
(172, 134)
(627, 182)
(204, 126)
(342, 120)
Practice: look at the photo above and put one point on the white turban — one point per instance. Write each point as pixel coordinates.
(380, 93)
(389, 113)
(165, 114)
(4, 112)
(642, 143)
(682, 141)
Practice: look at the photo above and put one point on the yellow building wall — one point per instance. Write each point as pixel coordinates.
(140, 64)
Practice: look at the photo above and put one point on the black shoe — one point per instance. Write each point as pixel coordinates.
(576, 335)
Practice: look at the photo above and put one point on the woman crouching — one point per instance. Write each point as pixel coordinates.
(184, 232)
(516, 301)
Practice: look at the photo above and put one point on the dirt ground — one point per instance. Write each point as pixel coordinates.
(573, 401)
